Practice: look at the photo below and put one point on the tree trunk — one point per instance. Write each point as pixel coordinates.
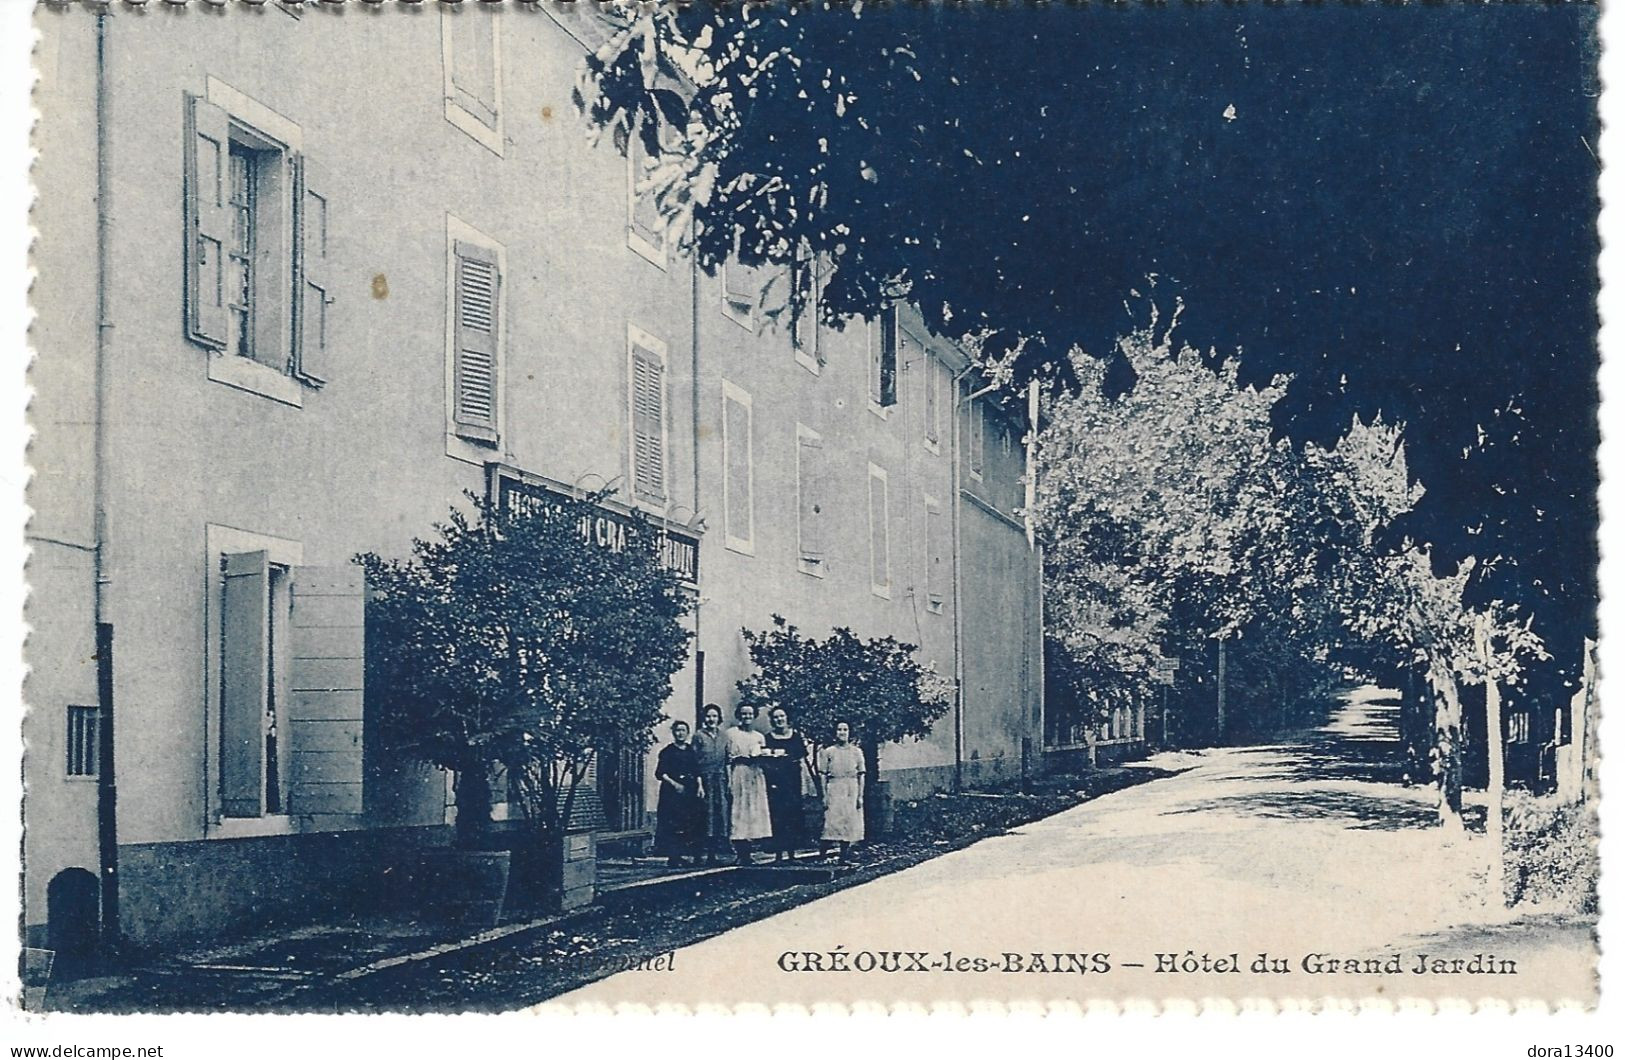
(1494, 824)
(473, 793)
(1447, 746)
(1219, 737)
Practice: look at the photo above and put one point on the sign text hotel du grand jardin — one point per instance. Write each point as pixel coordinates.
(609, 527)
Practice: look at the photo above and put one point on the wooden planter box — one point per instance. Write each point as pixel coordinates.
(468, 887)
(556, 876)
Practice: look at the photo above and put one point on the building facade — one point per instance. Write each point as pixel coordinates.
(293, 301)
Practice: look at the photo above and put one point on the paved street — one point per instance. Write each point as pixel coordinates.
(1305, 847)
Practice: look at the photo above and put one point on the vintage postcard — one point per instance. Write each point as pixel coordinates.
(574, 504)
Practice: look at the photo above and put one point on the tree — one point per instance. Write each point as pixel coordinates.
(1282, 173)
(511, 638)
(876, 685)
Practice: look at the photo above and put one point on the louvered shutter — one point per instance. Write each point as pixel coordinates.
(810, 486)
(879, 543)
(648, 424)
(314, 289)
(245, 668)
(324, 708)
(936, 565)
(208, 223)
(476, 371)
(737, 441)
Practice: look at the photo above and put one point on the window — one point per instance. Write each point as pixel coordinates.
(257, 244)
(645, 232)
(879, 537)
(938, 570)
(739, 293)
(290, 689)
(975, 424)
(471, 55)
(811, 502)
(804, 288)
(646, 401)
(883, 360)
(476, 353)
(932, 384)
(84, 741)
(737, 487)
(1518, 727)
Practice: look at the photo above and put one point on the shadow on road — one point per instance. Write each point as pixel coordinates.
(1350, 769)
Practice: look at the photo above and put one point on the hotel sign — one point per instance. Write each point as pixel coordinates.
(679, 552)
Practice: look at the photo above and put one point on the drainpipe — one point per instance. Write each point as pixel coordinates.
(106, 784)
(694, 454)
(959, 625)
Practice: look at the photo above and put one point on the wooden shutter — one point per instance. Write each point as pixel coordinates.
(476, 371)
(313, 287)
(245, 669)
(973, 413)
(648, 424)
(208, 222)
(810, 487)
(879, 543)
(929, 377)
(936, 566)
(736, 417)
(739, 290)
(324, 707)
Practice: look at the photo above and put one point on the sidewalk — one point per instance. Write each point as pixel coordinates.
(275, 964)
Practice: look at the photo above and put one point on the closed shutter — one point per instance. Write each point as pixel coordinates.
(208, 222)
(324, 708)
(476, 371)
(736, 416)
(245, 670)
(645, 212)
(936, 565)
(811, 502)
(314, 290)
(648, 424)
(739, 290)
(879, 543)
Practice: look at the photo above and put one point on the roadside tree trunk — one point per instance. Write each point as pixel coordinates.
(1447, 746)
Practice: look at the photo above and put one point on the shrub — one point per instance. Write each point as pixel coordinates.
(1551, 853)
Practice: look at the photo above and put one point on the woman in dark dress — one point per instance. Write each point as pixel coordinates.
(680, 815)
(783, 774)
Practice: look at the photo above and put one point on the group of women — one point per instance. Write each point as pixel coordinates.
(734, 790)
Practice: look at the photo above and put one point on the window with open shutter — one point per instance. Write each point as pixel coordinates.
(476, 369)
(327, 627)
(811, 502)
(313, 288)
(804, 290)
(737, 487)
(879, 535)
(208, 223)
(245, 676)
(883, 360)
(648, 398)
